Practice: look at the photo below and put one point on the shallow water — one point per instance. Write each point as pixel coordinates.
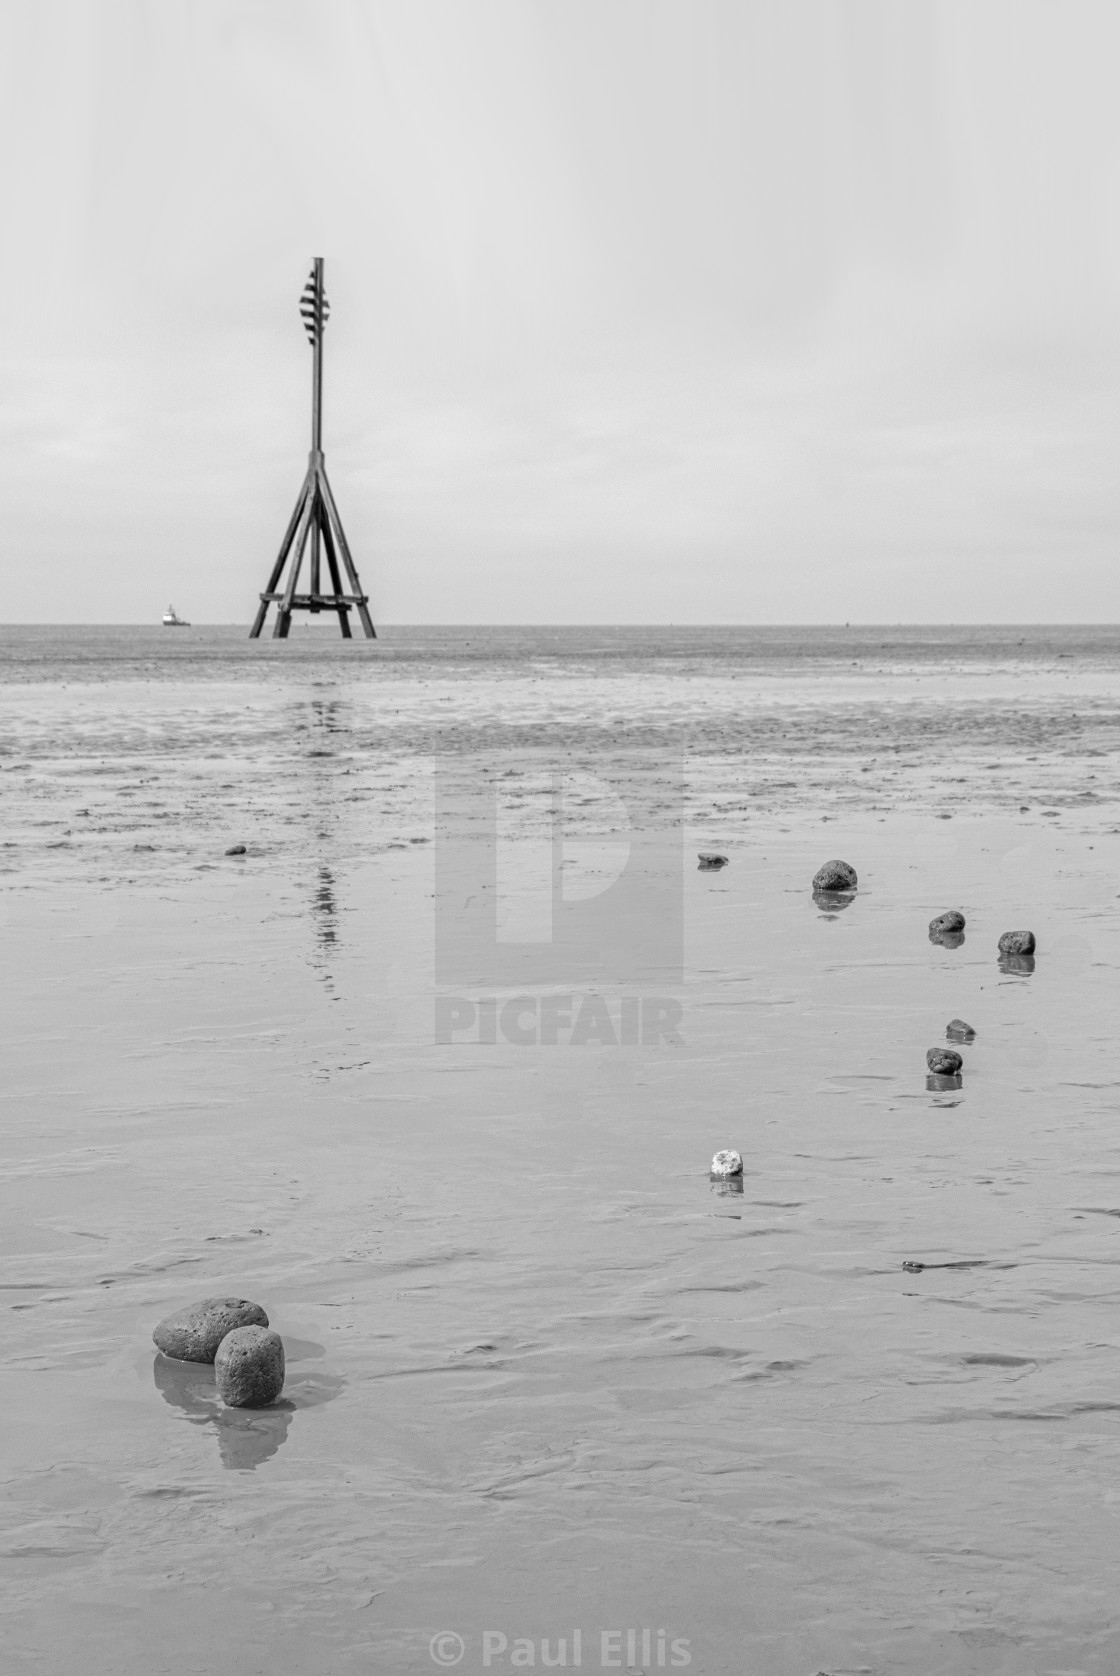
(542, 1373)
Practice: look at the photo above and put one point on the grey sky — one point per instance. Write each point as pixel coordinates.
(642, 310)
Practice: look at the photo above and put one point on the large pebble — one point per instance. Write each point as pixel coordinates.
(835, 875)
(727, 1164)
(943, 1062)
(958, 1031)
(249, 1367)
(1017, 942)
(194, 1334)
(712, 859)
(951, 921)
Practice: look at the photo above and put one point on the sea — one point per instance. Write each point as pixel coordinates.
(383, 983)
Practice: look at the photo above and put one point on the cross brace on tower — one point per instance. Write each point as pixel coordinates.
(315, 521)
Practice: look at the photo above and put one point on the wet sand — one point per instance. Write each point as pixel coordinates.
(543, 1374)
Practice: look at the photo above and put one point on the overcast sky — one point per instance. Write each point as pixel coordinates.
(642, 310)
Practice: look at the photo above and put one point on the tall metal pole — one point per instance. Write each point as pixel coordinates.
(316, 424)
(317, 364)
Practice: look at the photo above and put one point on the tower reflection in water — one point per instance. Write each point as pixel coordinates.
(324, 723)
(324, 920)
(326, 909)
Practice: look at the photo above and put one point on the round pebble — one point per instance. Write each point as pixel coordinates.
(1017, 942)
(835, 875)
(249, 1367)
(943, 1062)
(193, 1334)
(710, 858)
(236, 849)
(958, 1031)
(727, 1164)
(950, 921)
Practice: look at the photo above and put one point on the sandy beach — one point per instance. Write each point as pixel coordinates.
(543, 1375)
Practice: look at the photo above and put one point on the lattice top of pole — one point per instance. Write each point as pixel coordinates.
(314, 308)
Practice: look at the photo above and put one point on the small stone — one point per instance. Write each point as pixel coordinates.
(951, 921)
(710, 858)
(236, 849)
(727, 1164)
(1017, 942)
(835, 875)
(194, 1334)
(958, 1031)
(943, 1062)
(249, 1367)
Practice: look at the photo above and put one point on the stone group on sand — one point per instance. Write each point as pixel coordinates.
(248, 1357)
(838, 878)
(233, 1334)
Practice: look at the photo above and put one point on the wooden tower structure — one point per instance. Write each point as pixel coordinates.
(315, 524)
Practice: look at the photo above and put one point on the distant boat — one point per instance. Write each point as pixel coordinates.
(172, 619)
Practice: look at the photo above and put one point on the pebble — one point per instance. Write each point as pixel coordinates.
(958, 1031)
(249, 1367)
(1017, 942)
(727, 1163)
(835, 875)
(709, 858)
(236, 849)
(193, 1334)
(943, 1062)
(951, 921)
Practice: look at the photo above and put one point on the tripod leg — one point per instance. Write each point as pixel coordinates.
(293, 523)
(315, 549)
(344, 549)
(284, 614)
(332, 566)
